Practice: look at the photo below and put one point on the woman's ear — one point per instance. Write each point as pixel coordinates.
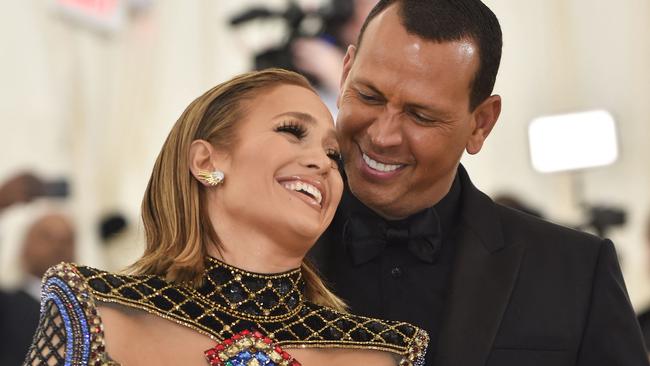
(205, 161)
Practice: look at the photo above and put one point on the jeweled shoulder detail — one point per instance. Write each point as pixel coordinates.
(70, 331)
(333, 328)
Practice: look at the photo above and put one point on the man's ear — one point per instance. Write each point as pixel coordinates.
(204, 156)
(485, 117)
(348, 60)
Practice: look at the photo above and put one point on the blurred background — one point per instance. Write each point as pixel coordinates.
(90, 89)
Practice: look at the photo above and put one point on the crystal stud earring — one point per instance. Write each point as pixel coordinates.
(213, 178)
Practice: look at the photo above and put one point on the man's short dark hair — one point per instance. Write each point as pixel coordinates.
(453, 20)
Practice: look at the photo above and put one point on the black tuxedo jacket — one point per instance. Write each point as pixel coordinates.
(522, 292)
(19, 314)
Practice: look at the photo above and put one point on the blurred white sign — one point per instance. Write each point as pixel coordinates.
(104, 15)
(573, 141)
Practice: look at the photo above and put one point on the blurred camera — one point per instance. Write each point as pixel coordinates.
(330, 18)
(55, 189)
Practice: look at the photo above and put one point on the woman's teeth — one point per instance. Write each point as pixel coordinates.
(303, 187)
(379, 166)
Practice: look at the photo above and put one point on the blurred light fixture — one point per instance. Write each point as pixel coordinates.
(573, 141)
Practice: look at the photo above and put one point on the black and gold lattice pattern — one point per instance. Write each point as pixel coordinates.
(50, 349)
(232, 300)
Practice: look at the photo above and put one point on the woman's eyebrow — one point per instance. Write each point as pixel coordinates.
(306, 117)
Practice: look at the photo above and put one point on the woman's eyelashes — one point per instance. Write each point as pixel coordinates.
(335, 156)
(300, 132)
(294, 128)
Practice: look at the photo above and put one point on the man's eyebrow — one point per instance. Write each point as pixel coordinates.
(368, 84)
(428, 108)
(306, 117)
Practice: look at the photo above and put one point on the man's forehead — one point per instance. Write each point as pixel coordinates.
(391, 20)
(387, 33)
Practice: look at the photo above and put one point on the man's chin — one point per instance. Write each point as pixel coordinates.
(381, 201)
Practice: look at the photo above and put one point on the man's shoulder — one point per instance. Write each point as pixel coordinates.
(522, 228)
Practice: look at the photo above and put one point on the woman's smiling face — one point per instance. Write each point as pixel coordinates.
(282, 173)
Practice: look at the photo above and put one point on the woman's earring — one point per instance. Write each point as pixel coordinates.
(213, 178)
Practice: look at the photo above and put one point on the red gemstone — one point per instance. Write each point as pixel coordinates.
(213, 358)
(294, 363)
(278, 349)
(285, 355)
(236, 337)
(220, 347)
(267, 340)
(228, 342)
(245, 332)
(257, 334)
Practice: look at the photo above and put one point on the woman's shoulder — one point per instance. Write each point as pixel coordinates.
(329, 327)
(70, 330)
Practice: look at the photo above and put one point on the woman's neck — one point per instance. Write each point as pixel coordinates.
(254, 251)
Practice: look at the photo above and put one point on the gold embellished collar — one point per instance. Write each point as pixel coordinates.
(252, 295)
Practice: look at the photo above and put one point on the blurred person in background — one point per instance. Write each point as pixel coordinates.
(321, 57)
(48, 241)
(245, 183)
(644, 317)
(20, 188)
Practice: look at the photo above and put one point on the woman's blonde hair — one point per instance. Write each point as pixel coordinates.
(176, 223)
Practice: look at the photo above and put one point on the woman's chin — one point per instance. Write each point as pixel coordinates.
(304, 231)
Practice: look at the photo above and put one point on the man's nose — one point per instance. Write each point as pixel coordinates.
(385, 131)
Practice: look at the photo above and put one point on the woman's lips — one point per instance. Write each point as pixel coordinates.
(308, 189)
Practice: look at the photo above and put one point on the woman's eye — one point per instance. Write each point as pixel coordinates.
(335, 156)
(296, 129)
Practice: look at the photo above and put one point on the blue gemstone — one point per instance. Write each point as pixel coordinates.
(244, 356)
(263, 358)
(76, 316)
(236, 362)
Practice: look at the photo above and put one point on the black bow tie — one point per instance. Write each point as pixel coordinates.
(365, 236)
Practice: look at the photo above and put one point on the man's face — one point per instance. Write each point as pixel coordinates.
(49, 241)
(404, 117)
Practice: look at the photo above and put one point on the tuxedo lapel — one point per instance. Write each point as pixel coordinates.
(484, 275)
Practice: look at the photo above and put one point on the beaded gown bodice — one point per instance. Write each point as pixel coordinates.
(250, 316)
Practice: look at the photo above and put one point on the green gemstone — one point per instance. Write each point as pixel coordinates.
(229, 363)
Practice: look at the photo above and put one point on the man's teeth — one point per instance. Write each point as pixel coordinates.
(300, 186)
(380, 166)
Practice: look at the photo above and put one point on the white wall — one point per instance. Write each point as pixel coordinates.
(97, 107)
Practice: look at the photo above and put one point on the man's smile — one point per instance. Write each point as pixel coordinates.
(376, 167)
